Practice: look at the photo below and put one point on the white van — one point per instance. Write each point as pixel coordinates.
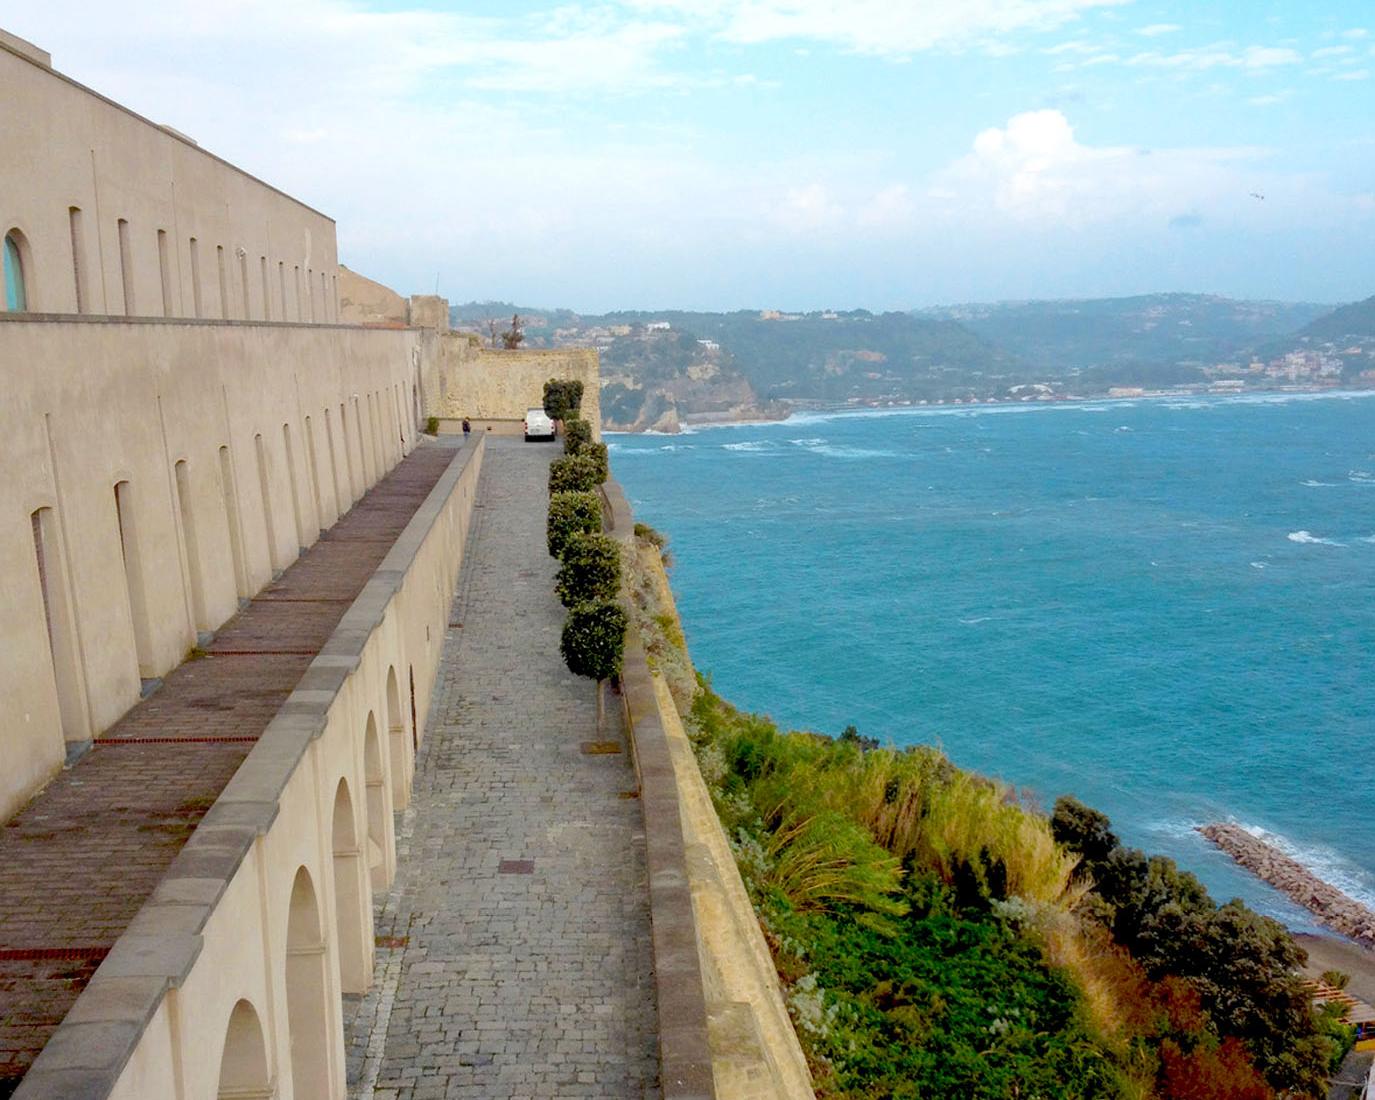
(538, 425)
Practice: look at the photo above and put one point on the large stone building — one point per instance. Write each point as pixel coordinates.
(188, 423)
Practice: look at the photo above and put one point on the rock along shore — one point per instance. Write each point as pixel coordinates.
(1335, 909)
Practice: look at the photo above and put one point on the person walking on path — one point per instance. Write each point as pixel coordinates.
(467, 430)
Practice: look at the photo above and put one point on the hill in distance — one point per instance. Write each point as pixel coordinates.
(666, 367)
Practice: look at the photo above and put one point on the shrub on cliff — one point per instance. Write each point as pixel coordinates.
(570, 513)
(591, 569)
(577, 434)
(574, 474)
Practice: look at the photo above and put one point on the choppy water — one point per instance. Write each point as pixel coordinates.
(1166, 608)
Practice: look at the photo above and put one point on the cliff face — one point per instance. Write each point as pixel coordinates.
(660, 380)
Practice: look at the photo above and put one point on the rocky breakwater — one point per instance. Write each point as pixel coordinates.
(1335, 909)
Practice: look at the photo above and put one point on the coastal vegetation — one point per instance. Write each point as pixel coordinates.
(937, 936)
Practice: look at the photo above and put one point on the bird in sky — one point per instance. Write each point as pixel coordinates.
(1257, 195)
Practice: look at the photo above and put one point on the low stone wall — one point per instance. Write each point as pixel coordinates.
(724, 1027)
(229, 981)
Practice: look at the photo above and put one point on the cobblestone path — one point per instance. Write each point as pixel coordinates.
(514, 947)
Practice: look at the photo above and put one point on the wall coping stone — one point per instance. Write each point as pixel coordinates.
(685, 1069)
(90, 1048)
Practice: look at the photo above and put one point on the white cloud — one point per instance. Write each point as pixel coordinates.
(1354, 74)
(1332, 51)
(1155, 30)
(1219, 56)
(881, 27)
(1269, 100)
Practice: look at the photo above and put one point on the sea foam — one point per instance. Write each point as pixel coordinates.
(1311, 539)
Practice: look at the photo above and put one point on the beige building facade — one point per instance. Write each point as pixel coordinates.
(126, 217)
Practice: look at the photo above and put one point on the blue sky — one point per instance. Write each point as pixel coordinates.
(785, 153)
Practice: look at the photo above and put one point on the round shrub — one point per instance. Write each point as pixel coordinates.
(562, 398)
(574, 474)
(591, 569)
(577, 434)
(598, 454)
(593, 641)
(570, 513)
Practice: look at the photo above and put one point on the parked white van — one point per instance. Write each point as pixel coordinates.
(538, 425)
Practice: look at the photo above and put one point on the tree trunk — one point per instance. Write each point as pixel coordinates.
(599, 708)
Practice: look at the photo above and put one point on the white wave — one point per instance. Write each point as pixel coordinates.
(1324, 862)
(838, 451)
(1313, 484)
(1311, 539)
(814, 442)
(751, 445)
(1360, 477)
(1368, 538)
(1259, 565)
(1122, 428)
(975, 621)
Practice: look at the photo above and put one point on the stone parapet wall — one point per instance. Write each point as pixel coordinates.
(497, 386)
(725, 1029)
(266, 914)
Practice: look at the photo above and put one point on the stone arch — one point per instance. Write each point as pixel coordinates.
(402, 762)
(244, 1073)
(307, 999)
(352, 899)
(380, 861)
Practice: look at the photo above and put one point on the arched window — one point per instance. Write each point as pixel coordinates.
(16, 293)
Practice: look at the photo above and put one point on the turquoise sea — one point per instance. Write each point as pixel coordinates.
(1165, 607)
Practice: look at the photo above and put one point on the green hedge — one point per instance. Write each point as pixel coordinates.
(574, 474)
(591, 569)
(569, 514)
(593, 641)
(577, 434)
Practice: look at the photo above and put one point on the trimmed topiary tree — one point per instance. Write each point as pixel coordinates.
(562, 398)
(574, 474)
(570, 513)
(593, 643)
(577, 434)
(597, 452)
(591, 569)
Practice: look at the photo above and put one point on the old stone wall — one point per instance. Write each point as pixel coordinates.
(362, 301)
(156, 473)
(495, 387)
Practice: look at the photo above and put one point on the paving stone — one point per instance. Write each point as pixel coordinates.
(537, 983)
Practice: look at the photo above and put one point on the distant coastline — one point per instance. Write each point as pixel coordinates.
(783, 410)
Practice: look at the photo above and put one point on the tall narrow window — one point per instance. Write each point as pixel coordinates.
(231, 515)
(291, 482)
(354, 494)
(16, 287)
(165, 272)
(243, 279)
(58, 620)
(195, 575)
(267, 293)
(281, 287)
(324, 299)
(334, 296)
(339, 508)
(313, 468)
(196, 302)
(223, 272)
(126, 267)
(265, 494)
(296, 278)
(310, 292)
(133, 577)
(78, 232)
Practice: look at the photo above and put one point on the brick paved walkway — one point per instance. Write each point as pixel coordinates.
(78, 862)
(514, 947)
